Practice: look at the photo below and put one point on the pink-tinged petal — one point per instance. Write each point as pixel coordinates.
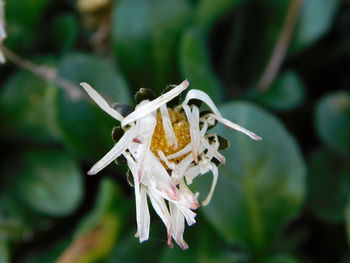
(101, 102)
(154, 104)
(178, 225)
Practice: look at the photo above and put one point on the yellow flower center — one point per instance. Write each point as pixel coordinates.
(181, 129)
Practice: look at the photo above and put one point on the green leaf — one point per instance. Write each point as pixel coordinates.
(23, 20)
(65, 30)
(4, 254)
(281, 258)
(347, 219)
(50, 254)
(261, 187)
(315, 20)
(130, 250)
(286, 93)
(50, 182)
(144, 37)
(195, 64)
(85, 127)
(29, 108)
(99, 231)
(333, 121)
(208, 11)
(328, 185)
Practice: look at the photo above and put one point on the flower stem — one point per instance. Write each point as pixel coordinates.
(45, 72)
(281, 47)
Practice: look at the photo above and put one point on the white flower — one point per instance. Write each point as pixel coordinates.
(2, 30)
(165, 150)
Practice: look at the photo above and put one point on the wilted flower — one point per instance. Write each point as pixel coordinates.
(166, 148)
(2, 30)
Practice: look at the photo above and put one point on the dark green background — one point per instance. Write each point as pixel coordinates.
(282, 200)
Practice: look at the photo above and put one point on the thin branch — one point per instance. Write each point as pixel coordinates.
(281, 47)
(45, 72)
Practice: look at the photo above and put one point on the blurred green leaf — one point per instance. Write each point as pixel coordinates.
(18, 221)
(144, 37)
(4, 254)
(28, 105)
(256, 28)
(65, 30)
(328, 185)
(286, 93)
(98, 232)
(23, 20)
(202, 249)
(130, 250)
(333, 121)
(50, 182)
(261, 187)
(49, 254)
(281, 258)
(347, 219)
(210, 10)
(315, 20)
(86, 128)
(195, 64)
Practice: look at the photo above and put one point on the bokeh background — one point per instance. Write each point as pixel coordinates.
(278, 67)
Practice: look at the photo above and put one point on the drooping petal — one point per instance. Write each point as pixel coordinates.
(144, 218)
(155, 104)
(101, 102)
(178, 225)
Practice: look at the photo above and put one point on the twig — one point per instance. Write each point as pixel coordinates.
(281, 47)
(47, 73)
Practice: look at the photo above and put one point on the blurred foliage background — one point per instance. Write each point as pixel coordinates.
(281, 68)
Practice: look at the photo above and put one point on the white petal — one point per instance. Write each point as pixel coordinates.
(183, 151)
(180, 169)
(215, 173)
(168, 127)
(235, 126)
(118, 148)
(162, 156)
(101, 102)
(144, 222)
(192, 173)
(2, 57)
(161, 208)
(155, 104)
(200, 95)
(212, 151)
(193, 119)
